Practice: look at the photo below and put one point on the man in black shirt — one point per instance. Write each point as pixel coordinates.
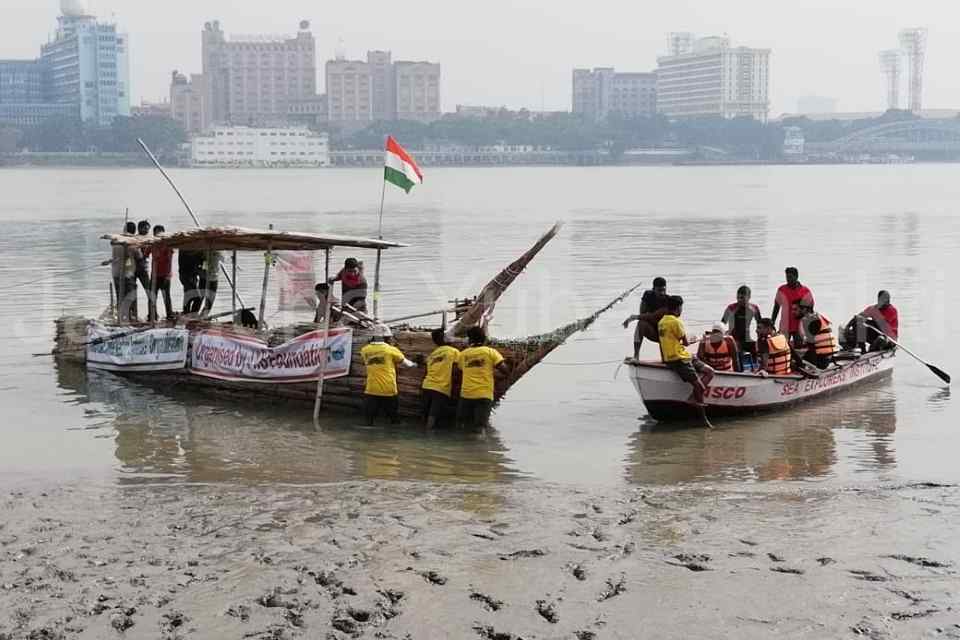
(741, 318)
(653, 305)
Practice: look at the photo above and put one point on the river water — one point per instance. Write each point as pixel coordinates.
(850, 230)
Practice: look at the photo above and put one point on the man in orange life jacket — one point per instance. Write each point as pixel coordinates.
(817, 331)
(773, 349)
(719, 350)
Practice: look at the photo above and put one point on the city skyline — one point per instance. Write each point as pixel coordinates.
(525, 61)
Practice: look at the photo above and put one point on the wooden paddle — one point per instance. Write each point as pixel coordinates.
(937, 371)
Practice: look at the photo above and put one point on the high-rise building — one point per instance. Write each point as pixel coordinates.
(707, 77)
(417, 90)
(359, 92)
(187, 102)
(601, 92)
(83, 72)
(86, 65)
(254, 79)
(349, 92)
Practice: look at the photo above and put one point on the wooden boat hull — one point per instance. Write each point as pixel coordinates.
(666, 396)
(344, 393)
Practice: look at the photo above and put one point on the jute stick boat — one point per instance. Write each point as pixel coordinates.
(666, 396)
(282, 364)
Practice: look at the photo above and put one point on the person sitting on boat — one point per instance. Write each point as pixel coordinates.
(886, 319)
(653, 305)
(381, 359)
(353, 284)
(210, 279)
(819, 343)
(478, 364)
(673, 343)
(719, 350)
(787, 296)
(773, 349)
(160, 269)
(437, 387)
(741, 318)
(324, 297)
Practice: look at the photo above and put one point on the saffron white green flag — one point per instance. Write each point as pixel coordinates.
(399, 168)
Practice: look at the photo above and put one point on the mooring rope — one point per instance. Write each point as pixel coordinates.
(53, 277)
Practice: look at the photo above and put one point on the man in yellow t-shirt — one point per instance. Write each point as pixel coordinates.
(478, 363)
(381, 361)
(673, 343)
(438, 383)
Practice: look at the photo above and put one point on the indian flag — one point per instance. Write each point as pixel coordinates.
(399, 168)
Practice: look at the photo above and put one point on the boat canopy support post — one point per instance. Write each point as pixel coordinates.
(318, 401)
(267, 261)
(233, 286)
(376, 286)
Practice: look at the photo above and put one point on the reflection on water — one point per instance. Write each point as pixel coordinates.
(850, 230)
(188, 436)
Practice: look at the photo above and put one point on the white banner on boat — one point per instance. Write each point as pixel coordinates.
(237, 357)
(296, 278)
(150, 350)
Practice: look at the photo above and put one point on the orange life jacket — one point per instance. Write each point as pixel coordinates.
(778, 355)
(824, 342)
(719, 357)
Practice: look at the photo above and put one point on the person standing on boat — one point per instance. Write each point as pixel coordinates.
(381, 359)
(819, 343)
(673, 343)
(130, 293)
(160, 270)
(719, 350)
(788, 295)
(741, 318)
(140, 258)
(121, 261)
(324, 296)
(210, 279)
(189, 264)
(478, 364)
(653, 305)
(353, 284)
(437, 387)
(773, 349)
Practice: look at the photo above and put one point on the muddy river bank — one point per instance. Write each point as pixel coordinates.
(381, 559)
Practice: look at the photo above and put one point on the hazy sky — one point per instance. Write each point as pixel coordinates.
(520, 53)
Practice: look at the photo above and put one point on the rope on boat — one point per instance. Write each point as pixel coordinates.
(581, 364)
(53, 277)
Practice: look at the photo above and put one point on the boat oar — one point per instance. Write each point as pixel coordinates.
(937, 371)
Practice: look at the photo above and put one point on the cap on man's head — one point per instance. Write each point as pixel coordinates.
(659, 282)
(382, 331)
(717, 328)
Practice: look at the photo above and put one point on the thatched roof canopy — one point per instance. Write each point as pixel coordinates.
(240, 239)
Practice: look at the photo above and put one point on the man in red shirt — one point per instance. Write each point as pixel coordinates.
(885, 315)
(160, 270)
(788, 297)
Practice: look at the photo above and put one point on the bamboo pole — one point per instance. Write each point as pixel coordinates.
(267, 260)
(318, 401)
(233, 287)
(113, 307)
(376, 286)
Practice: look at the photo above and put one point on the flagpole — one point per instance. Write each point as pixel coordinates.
(376, 273)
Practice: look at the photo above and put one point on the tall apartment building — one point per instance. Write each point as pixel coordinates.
(417, 91)
(359, 92)
(21, 81)
(601, 92)
(254, 79)
(188, 105)
(706, 77)
(86, 65)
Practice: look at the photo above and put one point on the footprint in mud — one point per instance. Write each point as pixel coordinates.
(548, 611)
(692, 561)
(910, 615)
(613, 589)
(489, 633)
(825, 560)
(433, 577)
(579, 572)
(775, 558)
(489, 603)
(790, 570)
(524, 553)
(868, 576)
(920, 561)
